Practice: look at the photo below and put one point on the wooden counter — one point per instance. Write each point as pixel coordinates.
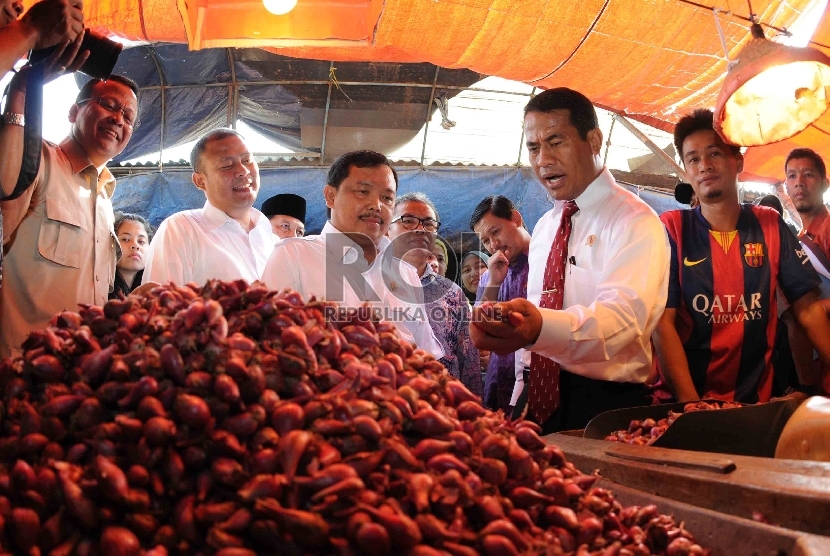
(727, 535)
(792, 494)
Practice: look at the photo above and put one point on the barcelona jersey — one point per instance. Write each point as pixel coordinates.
(723, 285)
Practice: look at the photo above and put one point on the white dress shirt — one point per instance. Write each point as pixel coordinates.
(203, 244)
(331, 266)
(522, 362)
(615, 284)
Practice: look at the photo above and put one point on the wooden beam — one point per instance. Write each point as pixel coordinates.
(652, 146)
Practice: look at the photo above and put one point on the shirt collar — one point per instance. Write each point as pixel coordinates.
(352, 246)
(79, 161)
(429, 274)
(78, 158)
(520, 262)
(597, 191)
(216, 218)
(819, 219)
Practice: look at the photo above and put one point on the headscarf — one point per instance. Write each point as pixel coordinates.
(480, 254)
(485, 258)
(440, 243)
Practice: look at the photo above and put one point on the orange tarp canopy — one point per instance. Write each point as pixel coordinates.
(651, 60)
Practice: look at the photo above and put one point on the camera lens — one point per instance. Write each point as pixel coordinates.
(103, 55)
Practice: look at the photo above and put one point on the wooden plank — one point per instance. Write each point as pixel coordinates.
(668, 161)
(665, 456)
(794, 494)
(725, 534)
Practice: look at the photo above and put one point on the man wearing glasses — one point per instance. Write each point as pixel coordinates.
(413, 233)
(58, 236)
(349, 262)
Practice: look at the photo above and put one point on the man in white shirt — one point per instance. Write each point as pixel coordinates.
(349, 262)
(227, 239)
(608, 250)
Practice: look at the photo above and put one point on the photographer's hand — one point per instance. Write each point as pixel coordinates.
(55, 22)
(67, 58)
(47, 23)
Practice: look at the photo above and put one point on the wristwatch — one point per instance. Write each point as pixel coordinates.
(14, 119)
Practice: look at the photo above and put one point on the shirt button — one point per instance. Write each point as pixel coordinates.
(96, 278)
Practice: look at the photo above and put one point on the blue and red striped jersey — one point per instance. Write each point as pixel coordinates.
(723, 286)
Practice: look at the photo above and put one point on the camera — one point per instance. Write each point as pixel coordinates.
(103, 54)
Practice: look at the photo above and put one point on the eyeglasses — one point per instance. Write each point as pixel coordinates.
(111, 106)
(412, 223)
(299, 232)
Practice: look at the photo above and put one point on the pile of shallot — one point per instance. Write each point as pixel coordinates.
(231, 420)
(647, 431)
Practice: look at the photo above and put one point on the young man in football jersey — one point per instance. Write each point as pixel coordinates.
(806, 183)
(716, 336)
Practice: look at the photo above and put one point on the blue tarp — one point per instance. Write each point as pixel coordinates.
(455, 192)
(196, 102)
(194, 90)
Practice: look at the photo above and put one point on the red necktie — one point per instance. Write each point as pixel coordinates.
(543, 396)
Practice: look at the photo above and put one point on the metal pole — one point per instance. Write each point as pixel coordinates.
(233, 96)
(522, 138)
(326, 120)
(348, 84)
(608, 141)
(669, 161)
(429, 113)
(152, 52)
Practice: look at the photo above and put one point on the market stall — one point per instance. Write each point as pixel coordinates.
(228, 420)
(231, 420)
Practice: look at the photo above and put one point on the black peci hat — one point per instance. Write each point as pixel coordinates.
(286, 204)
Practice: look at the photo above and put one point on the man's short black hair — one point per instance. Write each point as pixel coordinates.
(497, 205)
(772, 202)
(86, 91)
(202, 143)
(699, 120)
(812, 155)
(359, 159)
(583, 114)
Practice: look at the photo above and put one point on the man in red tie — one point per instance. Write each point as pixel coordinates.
(599, 262)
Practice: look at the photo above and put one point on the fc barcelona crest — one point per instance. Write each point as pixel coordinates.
(754, 254)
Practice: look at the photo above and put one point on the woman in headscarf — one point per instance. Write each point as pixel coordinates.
(473, 266)
(442, 258)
